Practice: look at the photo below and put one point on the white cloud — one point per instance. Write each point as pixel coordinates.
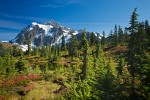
(6, 36)
(11, 25)
(25, 17)
(62, 3)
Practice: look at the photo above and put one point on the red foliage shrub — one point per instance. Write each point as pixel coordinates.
(28, 88)
(1, 97)
(19, 80)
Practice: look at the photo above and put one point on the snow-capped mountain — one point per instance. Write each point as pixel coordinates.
(41, 34)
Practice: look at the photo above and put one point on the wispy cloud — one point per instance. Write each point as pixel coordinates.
(7, 35)
(61, 3)
(11, 25)
(92, 23)
(25, 17)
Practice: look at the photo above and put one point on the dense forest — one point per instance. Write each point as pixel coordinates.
(116, 67)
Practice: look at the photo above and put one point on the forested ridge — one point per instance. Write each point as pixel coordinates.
(116, 67)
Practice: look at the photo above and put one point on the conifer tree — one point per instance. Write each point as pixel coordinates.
(126, 36)
(103, 40)
(63, 46)
(36, 51)
(2, 68)
(132, 42)
(8, 63)
(120, 36)
(111, 39)
(92, 39)
(84, 40)
(21, 65)
(147, 30)
(55, 57)
(85, 61)
(73, 46)
(115, 36)
(105, 86)
(48, 51)
(29, 47)
(136, 53)
(85, 64)
(58, 50)
(120, 66)
(98, 48)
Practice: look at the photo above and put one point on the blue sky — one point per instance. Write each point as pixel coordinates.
(94, 15)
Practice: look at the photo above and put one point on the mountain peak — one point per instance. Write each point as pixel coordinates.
(51, 22)
(34, 23)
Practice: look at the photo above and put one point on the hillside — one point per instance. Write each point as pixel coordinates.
(85, 67)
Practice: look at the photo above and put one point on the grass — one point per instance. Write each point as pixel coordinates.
(43, 90)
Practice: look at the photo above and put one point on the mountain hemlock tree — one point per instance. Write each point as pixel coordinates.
(120, 66)
(132, 48)
(126, 36)
(132, 42)
(55, 57)
(2, 67)
(29, 47)
(103, 40)
(98, 47)
(120, 36)
(136, 52)
(85, 61)
(58, 50)
(92, 39)
(63, 46)
(48, 51)
(115, 36)
(36, 51)
(147, 30)
(73, 46)
(110, 39)
(8, 64)
(21, 65)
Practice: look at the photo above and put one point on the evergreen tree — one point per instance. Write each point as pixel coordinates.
(132, 50)
(126, 36)
(120, 66)
(15, 51)
(136, 47)
(84, 40)
(43, 51)
(55, 57)
(29, 47)
(103, 40)
(63, 46)
(132, 42)
(120, 35)
(147, 30)
(85, 64)
(48, 51)
(36, 51)
(73, 46)
(111, 39)
(58, 50)
(115, 36)
(104, 85)
(92, 39)
(7, 64)
(3, 69)
(21, 66)
(124, 80)
(98, 48)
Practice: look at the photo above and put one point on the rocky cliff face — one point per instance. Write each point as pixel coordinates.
(41, 34)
